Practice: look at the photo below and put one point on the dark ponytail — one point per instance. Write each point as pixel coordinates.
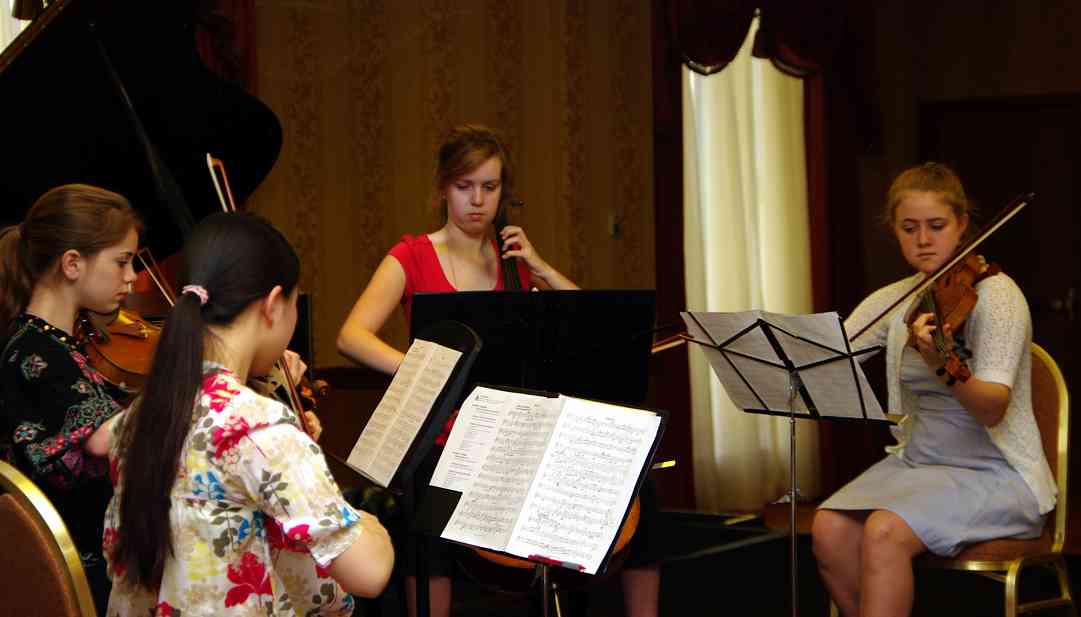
(85, 218)
(15, 281)
(237, 259)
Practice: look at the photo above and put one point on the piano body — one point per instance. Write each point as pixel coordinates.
(113, 93)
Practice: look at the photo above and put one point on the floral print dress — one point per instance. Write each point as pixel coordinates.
(256, 516)
(53, 400)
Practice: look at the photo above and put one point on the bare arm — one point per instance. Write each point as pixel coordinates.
(364, 568)
(985, 400)
(518, 245)
(99, 442)
(357, 339)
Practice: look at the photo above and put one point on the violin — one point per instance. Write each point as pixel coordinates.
(303, 395)
(951, 299)
(1011, 210)
(121, 344)
(122, 349)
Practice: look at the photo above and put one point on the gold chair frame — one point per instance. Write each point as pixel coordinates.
(15, 483)
(1009, 572)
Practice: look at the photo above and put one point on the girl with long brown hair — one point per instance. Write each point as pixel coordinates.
(73, 251)
(473, 183)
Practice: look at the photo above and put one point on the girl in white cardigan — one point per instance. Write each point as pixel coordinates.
(969, 465)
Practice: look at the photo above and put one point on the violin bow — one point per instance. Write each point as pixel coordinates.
(1007, 213)
(151, 266)
(216, 167)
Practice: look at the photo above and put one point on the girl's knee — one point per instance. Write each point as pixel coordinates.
(831, 533)
(886, 535)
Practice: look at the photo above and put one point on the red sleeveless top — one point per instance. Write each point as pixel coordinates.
(424, 274)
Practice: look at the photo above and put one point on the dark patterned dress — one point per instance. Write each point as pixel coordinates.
(52, 402)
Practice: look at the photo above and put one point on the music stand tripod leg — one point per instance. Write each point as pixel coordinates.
(549, 592)
(793, 389)
(544, 590)
(422, 599)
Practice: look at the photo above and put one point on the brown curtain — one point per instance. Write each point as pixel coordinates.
(225, 38)
(799, 38)
(670, 373)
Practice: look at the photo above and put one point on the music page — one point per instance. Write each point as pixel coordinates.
(402, 411)
(491, 457)
(755, 377)
(576, 504)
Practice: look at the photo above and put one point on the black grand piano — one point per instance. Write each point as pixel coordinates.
(113, 93)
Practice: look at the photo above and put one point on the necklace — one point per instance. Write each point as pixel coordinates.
(453, 273)
(454, 281)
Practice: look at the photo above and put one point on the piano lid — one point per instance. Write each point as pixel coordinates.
(65, 118)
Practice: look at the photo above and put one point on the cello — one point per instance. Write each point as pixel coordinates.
(509, 267)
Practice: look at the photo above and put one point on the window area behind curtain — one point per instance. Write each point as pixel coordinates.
(746, 243)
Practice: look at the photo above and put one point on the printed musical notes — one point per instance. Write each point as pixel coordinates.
(491, 455)
(544, 476)
(402, 411)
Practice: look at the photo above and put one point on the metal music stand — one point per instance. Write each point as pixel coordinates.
(546, 341)
(461, 337)
(796, 366)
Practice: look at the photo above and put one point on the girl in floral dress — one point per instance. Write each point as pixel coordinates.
(73, 251)
(223, 505)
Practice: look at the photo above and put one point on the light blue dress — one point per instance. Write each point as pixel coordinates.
(950, 483)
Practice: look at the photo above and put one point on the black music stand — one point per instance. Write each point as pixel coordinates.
(797, 366)
(587, 343)
(439, 506)
(460, 337)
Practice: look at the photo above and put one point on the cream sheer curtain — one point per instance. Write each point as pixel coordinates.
(746, 243)
(9, 26)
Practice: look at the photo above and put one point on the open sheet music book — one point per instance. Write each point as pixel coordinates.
(402, 411)
(544, 477)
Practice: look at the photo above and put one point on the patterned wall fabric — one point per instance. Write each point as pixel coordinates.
(366, 88)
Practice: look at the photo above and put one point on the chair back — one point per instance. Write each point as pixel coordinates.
(1051, 406)
(41, 573)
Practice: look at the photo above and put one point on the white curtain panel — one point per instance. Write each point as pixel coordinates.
(746, 244)
(9, 26)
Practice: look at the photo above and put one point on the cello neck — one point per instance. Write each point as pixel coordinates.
(509, 267)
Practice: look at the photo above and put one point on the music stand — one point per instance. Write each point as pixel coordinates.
(587, 343)
(460, 337)
(445, 498)
(591, 344)
(798, 366)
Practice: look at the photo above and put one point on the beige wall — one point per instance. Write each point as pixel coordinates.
(365, 89)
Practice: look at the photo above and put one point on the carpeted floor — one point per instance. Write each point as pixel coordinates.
(711, 568)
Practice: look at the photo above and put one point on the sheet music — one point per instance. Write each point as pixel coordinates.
(755, 378)
(585, 483)
(491, 456)
(403, 409)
